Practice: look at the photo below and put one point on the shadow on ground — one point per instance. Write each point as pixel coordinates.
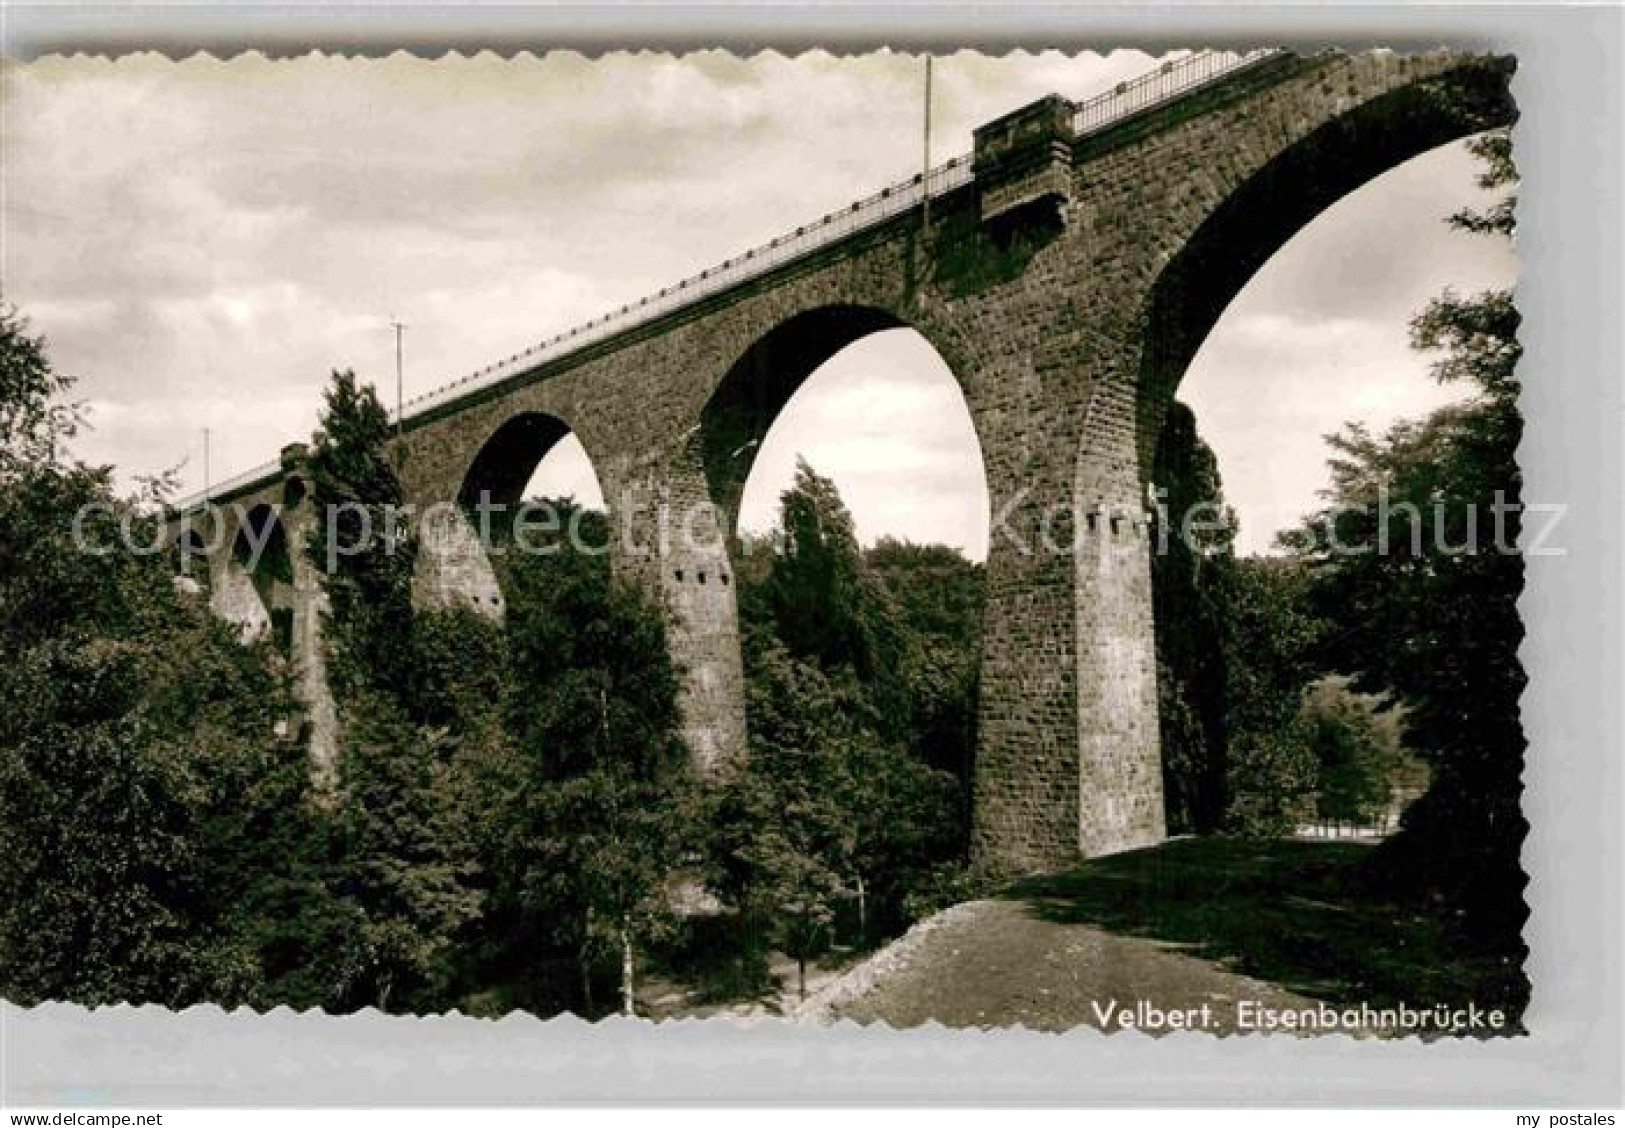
(1298, 914)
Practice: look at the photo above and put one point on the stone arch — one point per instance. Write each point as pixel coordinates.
(505, 461)
(1220, 223)
(710, 472)
(453, 564)
(752, 394)
(1262, 211)
(253, 583)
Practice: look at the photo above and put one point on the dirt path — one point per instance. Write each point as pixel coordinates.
(996, 963)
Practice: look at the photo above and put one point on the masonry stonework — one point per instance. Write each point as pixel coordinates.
(1067, 289)
(258, 572)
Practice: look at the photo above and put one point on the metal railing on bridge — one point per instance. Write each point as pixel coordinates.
(832, 228)
(1171, 80)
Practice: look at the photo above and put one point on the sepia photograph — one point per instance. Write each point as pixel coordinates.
(1003, 541)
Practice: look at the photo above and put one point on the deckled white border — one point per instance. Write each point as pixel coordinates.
(1568, 89)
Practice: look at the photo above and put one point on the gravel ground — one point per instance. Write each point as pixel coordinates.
(995, 963)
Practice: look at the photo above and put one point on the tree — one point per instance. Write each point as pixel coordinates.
(391, 872)
(861, 674)
(597, 808)
(785, 829)
(870, 819)
(458, 670)
(138, 805)
(362, 546)
(825, 604)
(938, 596)
(1270, 777)
(1272, 781)
(1499, 172)
(404, 869)
(34, 422)
(144, 792)
(1193, 577)
(1414, 559)
(909, 822)
(1359, 760)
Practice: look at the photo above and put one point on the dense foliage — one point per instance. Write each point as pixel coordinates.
(861, 727)
(143, 780)
(1235, 655)
(1415, 562)
(1193, 580)
(590, 806)
(1361, 762)
(1271, 775)
(363, 551)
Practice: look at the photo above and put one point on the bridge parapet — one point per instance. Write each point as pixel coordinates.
(1025, 157)
(1174, 79)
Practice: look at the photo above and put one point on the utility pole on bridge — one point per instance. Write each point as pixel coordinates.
(925, 174)
(400, 402)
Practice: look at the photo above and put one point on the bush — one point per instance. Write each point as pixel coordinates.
(1271, 782)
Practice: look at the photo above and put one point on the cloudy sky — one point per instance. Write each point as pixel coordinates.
(203, 242)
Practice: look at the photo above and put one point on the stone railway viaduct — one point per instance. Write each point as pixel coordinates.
(1071, 268)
